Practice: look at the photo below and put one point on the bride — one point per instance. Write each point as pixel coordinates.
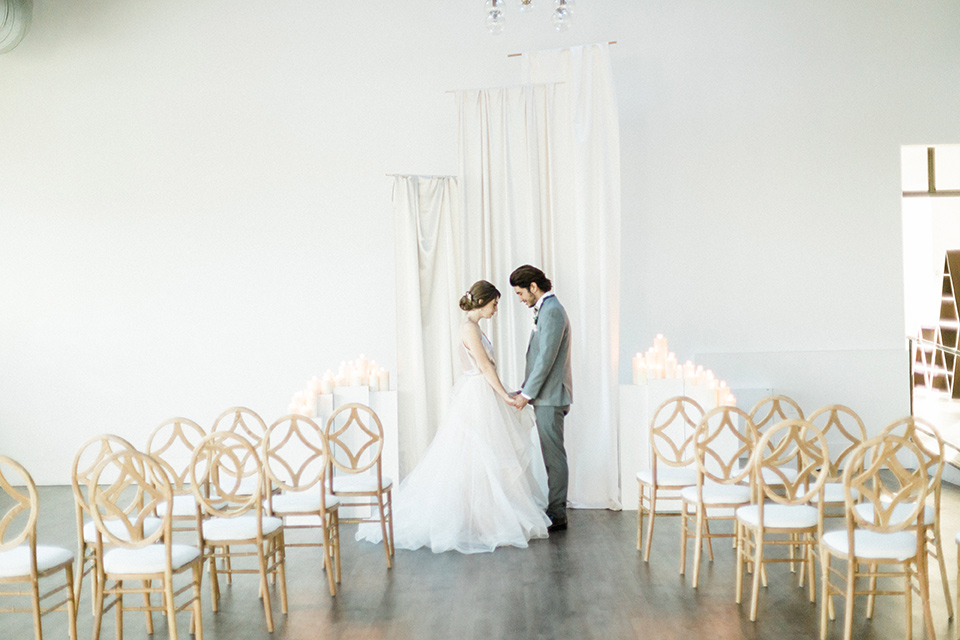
(476, 487)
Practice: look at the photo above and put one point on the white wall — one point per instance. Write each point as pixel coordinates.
(194, 212)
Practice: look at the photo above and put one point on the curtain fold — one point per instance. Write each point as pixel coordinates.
(429, 284)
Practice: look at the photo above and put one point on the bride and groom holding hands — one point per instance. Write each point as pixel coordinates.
(480, 483)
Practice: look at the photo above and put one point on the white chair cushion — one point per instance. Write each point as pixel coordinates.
(239, 528)
(833, 493)
(117, 528)
(149, 559)
(718, 494)
(669, 476)
(779, 516)
(183, 505)
(358, 483)
(16, 562)
(873, 545)
(900, 512)
(300, 502)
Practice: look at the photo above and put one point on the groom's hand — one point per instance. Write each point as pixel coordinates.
(520, 402)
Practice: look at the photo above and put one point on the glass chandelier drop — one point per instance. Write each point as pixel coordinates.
(562, 14)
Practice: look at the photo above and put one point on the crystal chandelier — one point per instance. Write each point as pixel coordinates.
(562, 14)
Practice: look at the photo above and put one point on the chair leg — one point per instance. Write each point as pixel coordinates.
(35, 606)
(146, 602)
(943, 576)
(171, 608)
(908, 599)
(336, 542)
(698, 546)
(97, 597)
(227, 566)
(214, 582)
(383, 529)
(281, 560)
(640, 518)
(71, 603)
(650, 520)
(264, 590)
(811, 567)
(851, 593)
(197, 608)
(871, 598)
(119, 607)
(758, 564)
(683, 538)
(923, 575)
(825, 591)
(328, 557)
(741, 543)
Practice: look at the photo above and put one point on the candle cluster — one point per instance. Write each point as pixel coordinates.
(361, 372)
(661, 363)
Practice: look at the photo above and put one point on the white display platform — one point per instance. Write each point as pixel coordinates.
(637, 405)
(384, 404)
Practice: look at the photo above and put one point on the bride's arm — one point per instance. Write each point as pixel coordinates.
(470, 333)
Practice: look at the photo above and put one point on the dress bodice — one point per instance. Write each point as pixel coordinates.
(467, 362)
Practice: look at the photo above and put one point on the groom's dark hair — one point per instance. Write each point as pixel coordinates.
(523, 276)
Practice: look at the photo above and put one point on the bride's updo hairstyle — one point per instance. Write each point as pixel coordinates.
(478, 295)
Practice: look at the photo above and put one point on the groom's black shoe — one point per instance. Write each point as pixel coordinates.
(558, 524)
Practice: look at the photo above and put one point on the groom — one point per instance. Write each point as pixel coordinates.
(548, 383)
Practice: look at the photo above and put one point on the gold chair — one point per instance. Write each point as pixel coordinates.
(295, 462)
(785, 507)
(226, 462)
(885, 487)
(125, 489)
(672, 466)
(723, 437)
(927, 439)
(22, 560)
(844, 431)
(354, 439)
(173, 442)
(88, 458)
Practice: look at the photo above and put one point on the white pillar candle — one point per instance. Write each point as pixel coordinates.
(384, 379)
(639, 369)
(689, 371)
(373, 381)
(356, 379)
(314, 385)
(363, 363)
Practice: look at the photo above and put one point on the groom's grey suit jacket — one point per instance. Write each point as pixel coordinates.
(548, 379)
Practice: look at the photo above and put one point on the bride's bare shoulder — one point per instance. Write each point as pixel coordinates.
(469, 331)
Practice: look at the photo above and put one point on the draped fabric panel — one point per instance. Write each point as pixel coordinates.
(429, 284)
(588, 275)
(540, 184)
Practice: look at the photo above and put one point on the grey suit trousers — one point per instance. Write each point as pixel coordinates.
(550, 428)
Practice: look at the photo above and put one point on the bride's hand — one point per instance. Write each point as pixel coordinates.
(511, 400)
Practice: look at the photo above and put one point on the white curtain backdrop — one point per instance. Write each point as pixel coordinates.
(540, 184)
(429, 284)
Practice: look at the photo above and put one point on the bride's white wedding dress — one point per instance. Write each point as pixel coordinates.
(481, 483)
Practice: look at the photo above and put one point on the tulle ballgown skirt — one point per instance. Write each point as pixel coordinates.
(481, 483)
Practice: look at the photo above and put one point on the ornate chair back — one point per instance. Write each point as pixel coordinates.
(354, 438)
(173, 442)
(773, 409)
(19, 521)
(294, 455)
(843, 430)
(724, 437)
(671, 432)
(243, 422)
(229, 465)
(125, 490)
(786, 445)
(895, 497)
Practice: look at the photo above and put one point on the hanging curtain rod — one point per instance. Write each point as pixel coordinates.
(517, 55)
(414, 175)
(511, 86)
